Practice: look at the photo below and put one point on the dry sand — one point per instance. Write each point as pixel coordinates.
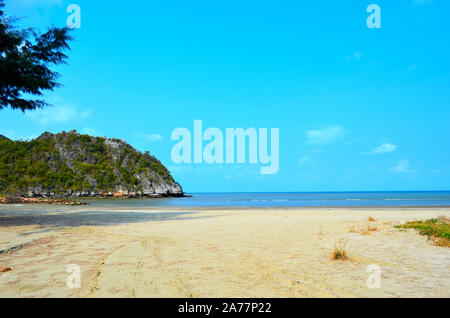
(223, 253)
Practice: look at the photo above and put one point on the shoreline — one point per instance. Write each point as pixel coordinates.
(66, 200)
(42, 201)
(45, 202)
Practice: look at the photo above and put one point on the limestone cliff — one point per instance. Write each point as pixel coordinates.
(74, 165)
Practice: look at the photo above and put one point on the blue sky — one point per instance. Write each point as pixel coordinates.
(358, 109)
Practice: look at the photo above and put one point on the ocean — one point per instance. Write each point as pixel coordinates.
(325, 199)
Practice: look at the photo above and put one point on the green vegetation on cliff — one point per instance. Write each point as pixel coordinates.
(70, 163)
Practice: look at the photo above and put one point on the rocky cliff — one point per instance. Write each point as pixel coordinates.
(74, 165)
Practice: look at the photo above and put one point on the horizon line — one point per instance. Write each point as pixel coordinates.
(293, 192)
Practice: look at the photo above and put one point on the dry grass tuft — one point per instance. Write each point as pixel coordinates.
(371, 219)
(442, 242)
(339, 251)
(352, 230)
(368, 229)
(339, 254)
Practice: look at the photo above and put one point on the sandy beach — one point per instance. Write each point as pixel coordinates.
(222, 252)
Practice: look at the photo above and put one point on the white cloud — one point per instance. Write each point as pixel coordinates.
(86, 113)
(13, 135)
(384, 148)
(402, 166)
(325, 136)
(58, 114)
(89, 131)
(154, 137)
(355, 56)
(150, 137)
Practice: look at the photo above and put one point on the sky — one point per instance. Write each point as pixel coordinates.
(358, 109)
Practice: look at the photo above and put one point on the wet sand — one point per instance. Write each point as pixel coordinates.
(267, 252)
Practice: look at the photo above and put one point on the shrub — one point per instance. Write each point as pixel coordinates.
(436, 229)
